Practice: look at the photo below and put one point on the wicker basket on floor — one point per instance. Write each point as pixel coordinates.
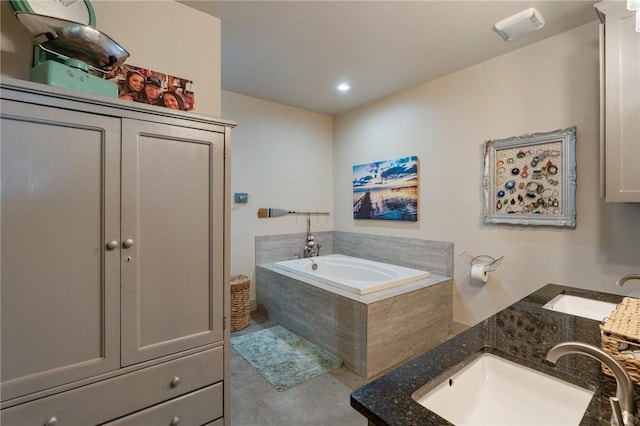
(240, 308)
(620, 334)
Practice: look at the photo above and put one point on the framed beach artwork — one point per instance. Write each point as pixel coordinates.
(386, 190)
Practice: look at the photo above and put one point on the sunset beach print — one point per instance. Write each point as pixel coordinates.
(386, 190)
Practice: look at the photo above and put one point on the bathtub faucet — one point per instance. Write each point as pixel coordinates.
(311, 248)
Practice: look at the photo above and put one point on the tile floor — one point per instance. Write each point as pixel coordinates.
(321, 401)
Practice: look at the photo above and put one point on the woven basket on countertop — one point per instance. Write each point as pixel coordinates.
(620, 332)
(240, 308)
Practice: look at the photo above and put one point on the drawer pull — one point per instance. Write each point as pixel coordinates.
(51, 422)
(175, 382)
(175, 421)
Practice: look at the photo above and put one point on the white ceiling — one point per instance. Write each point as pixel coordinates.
(296, 52)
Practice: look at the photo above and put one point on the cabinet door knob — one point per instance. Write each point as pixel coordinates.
(52, 421)
(175, 381)
(127, 243)
(175, 421)
(112, 244)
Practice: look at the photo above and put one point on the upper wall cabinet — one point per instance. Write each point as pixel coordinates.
(619, 103)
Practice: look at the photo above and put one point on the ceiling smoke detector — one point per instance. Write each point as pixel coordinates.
(519, 24)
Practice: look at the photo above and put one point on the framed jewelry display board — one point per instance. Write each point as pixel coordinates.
(531, 179)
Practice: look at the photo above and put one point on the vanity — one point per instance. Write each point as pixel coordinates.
(522, 333)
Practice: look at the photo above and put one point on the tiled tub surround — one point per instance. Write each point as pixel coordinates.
(371, 333)
(272, 248)
(523, 332)
(433, 256)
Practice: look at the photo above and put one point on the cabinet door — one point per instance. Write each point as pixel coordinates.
(622, 104)
(172, 215)
(60, 174)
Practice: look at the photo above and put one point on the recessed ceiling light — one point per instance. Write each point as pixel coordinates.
(343, 87)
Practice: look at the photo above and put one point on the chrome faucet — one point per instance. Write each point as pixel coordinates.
(624, 407)
(311, 248)
(626, 278)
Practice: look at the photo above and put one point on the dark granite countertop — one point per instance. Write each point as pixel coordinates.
(524, 332)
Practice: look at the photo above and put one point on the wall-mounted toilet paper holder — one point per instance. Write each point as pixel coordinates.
(481, 265)
(487, 261)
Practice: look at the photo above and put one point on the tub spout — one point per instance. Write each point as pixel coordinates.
(624, 404)
(626, 278)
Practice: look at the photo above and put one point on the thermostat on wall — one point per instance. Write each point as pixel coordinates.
(241, 197)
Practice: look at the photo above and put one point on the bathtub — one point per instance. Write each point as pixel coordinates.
(352, 274)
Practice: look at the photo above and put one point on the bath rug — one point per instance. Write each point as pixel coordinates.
(283, 358)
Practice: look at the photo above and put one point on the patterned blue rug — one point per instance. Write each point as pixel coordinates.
(283, 358)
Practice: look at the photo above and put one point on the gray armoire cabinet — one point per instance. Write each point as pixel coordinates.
(114, 261)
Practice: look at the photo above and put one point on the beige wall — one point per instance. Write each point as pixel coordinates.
(280, 156)
(294, 159)
(283, 158)
(15, 45)
(161, 35)
(546, 86)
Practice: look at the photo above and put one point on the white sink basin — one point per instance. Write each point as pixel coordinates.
(493, 391)
(580, 306)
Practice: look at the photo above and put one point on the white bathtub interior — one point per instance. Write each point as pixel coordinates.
(358, 276)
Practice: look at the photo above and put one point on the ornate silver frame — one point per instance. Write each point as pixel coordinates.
(531, 179)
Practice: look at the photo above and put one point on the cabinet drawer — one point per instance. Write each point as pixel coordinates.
(193, 409)
(103, 401)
